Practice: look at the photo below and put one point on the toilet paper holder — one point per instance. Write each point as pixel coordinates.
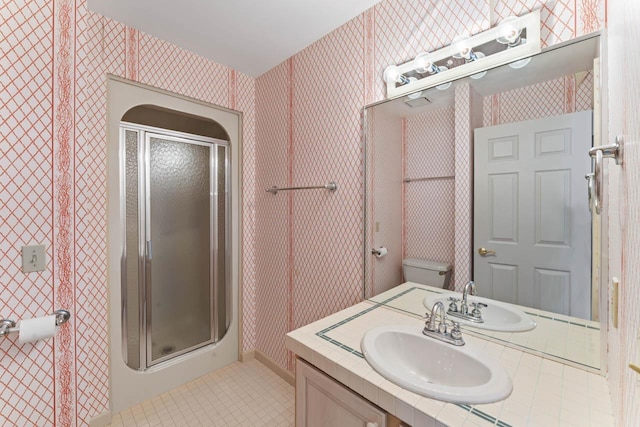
(8, 326)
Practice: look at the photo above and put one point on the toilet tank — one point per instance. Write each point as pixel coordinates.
(426, 272)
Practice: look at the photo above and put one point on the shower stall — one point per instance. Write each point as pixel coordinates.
(175, 280)
(173, 240)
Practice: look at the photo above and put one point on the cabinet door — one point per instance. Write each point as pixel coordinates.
(322, 402)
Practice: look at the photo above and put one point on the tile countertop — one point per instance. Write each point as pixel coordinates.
(568, 340)
(545, 392)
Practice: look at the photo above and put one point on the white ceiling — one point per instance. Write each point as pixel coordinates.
(251, 36)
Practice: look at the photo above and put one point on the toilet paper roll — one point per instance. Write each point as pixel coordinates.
(382, 251)
(36, 329)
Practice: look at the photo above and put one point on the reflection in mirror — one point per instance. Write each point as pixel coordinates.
(483, 179)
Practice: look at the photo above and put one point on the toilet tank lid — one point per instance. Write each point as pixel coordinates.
(428, 265)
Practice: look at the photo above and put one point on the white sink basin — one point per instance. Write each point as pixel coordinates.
(431, 368)
(497, 316)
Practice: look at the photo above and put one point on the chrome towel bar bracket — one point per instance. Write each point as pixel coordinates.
(595, 180)
(611, 151)
(331, 186)
(593, 201)
(8, 326)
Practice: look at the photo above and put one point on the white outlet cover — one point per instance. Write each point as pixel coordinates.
(34, 258)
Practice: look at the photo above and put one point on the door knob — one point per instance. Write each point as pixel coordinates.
(485, 252)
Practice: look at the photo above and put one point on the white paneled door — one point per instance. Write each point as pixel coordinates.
(531, 213)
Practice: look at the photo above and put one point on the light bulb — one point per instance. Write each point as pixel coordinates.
(392, 75)
(476, 76)
(423, 64)
(509, 32)
(443, 86)
(414, 95)
(520, 64)
(462, 47)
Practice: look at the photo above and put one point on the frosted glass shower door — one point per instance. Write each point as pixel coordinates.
(179, 248)
(175, 277)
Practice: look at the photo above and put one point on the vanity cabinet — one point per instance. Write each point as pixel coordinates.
(322, 402)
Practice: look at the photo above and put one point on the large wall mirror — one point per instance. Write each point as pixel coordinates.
(483, 179)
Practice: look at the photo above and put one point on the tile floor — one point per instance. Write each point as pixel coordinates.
(241, 394)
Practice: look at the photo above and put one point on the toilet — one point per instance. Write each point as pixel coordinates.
(426, 272)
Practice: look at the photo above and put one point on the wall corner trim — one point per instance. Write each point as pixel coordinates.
(273, 366)
(102, 420)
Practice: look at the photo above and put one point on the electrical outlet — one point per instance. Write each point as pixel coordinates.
(34, 258)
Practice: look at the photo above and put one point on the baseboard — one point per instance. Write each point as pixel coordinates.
(247, 356)
(282, 373)
(101, 420)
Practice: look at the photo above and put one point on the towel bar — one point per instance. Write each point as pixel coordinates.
(332, 186)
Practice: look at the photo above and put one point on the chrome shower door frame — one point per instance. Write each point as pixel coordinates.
(145, 251)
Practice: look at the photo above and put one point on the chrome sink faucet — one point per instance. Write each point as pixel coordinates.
(440, 330)
(475, 315)
(468, 288)
(432, 324)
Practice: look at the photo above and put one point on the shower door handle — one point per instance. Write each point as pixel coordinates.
(149, 249)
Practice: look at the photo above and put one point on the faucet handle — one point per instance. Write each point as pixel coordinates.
(456, 333)
(476, 309)
(427, 321)
(442, 327)
(453, 304)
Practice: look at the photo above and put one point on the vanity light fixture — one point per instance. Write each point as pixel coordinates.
(510, 35)
(464, 49)
(520, 64)
(444, 86)
(392, 75)
(510, 32)
(479, 55)
(414, 95)
(520, 35)
(424, 65)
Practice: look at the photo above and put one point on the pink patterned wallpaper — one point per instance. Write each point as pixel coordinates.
(385, 197)
(551, 98)
(624, 203)
(273, 293)
(429, 205)
(55, 57)
(302, 252)
(27, 204)
(327, 85)
(326, 228)
(463, 185)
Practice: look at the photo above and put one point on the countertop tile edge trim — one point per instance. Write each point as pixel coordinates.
(322, 333)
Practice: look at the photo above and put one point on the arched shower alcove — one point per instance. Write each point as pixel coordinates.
(173, 192)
